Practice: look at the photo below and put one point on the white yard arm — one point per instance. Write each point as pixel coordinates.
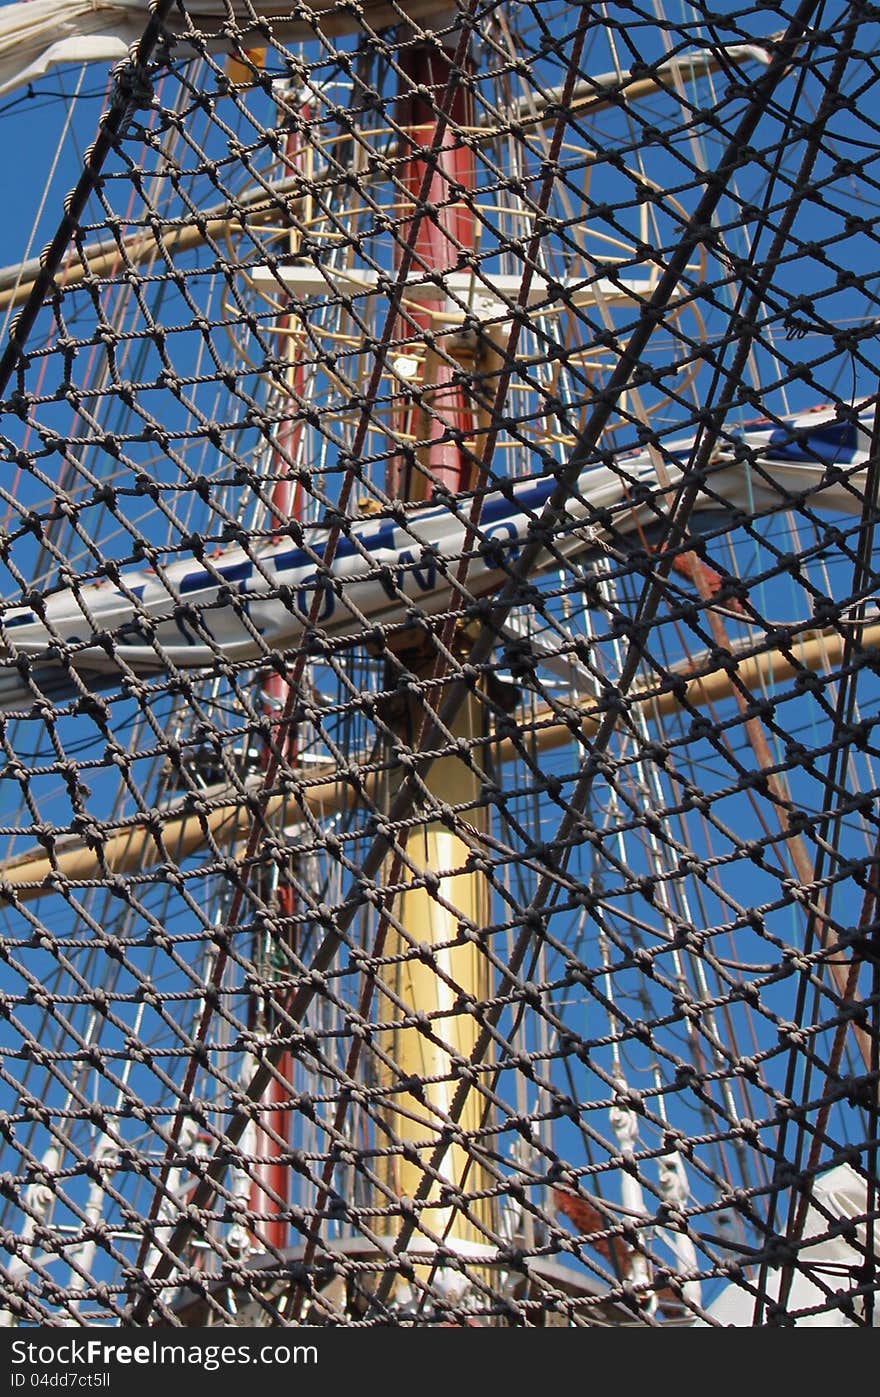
(239, 604)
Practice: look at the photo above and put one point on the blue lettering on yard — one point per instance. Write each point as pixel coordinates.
(328, 598)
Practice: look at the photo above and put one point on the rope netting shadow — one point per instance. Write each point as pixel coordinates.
(439, 665)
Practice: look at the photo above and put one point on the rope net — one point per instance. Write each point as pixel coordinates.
(439, 670)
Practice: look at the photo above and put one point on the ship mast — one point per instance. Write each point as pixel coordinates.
(434, 955)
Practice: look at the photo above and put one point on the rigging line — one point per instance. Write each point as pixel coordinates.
(871, 1162)
(743, 1085)
(531, 260)
(846, 698)
(490, 1094)
(319, 786)
(298, 1293)
(795, 1231)
(842, 975)
(650, 316)
(694, 964)
(430, 722)
(129, 76)
(22, 290)
(697, 145)
(481, 649)
(17, 290)
(96, 375)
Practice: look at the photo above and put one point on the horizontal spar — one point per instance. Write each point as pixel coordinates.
(135, 848)
(131, 848)
(819, 651)
(245, 605)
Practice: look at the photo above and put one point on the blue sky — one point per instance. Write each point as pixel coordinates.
(32, 126)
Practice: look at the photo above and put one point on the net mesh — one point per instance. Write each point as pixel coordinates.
(439, 671)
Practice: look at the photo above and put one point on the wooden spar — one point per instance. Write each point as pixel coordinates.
(129, 849)
(134, 847)
(600, 93)
(103, 259)
(768, 667)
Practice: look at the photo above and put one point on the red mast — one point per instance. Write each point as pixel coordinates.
(443, 241)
